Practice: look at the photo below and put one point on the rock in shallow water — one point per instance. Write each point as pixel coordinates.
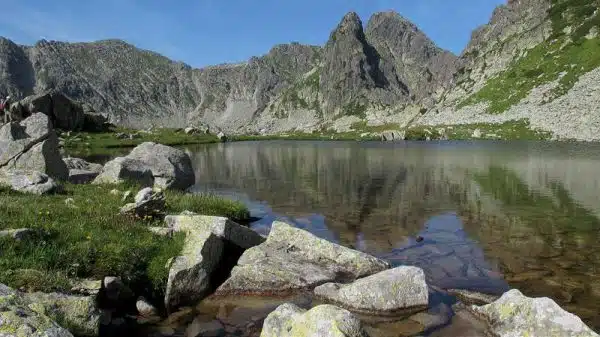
(402, 289)
(514, 314)
(323, 321)
(293, 259)
(211, 248)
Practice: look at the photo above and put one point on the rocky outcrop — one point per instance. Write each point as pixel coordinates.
(514, 314)
(29, 182)
(62, 111)
(211, 248)
(293, 259)
(323, 320)
(39, 314)
(31, 145)
(392, 135)
(402, 289)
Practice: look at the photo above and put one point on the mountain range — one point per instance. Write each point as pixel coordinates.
(536, 60)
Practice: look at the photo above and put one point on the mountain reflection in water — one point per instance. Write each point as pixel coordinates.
(492, 215)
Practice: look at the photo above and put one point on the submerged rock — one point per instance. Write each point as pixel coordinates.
(294, 259)
(514, 314)
(212, 247)
(472, 297)
(29, 182)
(323, 321)
(402, 289)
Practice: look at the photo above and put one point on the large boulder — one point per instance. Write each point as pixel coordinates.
(64, 113)
(514, 314)
(29, 182)
(171, 167)
(392, 291)
(32, 145)
(323, 321)
(17, 319)
(123, 169)
(81, 171)
(211, 248)
(293, 259)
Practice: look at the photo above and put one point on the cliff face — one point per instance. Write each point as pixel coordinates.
(532, 55)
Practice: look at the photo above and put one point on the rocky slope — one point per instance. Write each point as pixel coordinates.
(533, 60)
(391, 65)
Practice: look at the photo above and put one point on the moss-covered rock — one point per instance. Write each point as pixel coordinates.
(514, 314)
(323, 321)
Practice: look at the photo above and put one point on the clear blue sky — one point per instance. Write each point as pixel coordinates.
(204, 32)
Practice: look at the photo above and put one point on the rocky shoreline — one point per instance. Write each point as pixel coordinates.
(221, 258)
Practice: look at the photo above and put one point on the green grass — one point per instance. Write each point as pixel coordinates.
(569, 56)
(92, 240)
(511, 130)
(362, 127)
(355, 108)
(88, 143)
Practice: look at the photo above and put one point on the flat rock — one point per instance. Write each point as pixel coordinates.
(171, 167)
(514, 314)
(34, 182)
(323, 321)
(123, 169)
(294, 259)
(205, 329)
(77, 176)
(402, 289)
(211, 248)
(472, 297)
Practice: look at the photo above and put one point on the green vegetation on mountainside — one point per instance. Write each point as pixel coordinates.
(87, 238)
(566, 55)
(511, 130)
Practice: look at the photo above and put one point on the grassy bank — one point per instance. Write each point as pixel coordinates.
(511, 130)
(89, 239)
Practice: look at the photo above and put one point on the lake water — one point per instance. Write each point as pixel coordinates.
(492, 215)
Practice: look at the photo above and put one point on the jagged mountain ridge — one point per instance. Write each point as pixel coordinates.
(135, 87)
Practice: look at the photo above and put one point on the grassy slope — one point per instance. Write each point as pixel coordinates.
(564, 56)
(512, 130)
(92, 240)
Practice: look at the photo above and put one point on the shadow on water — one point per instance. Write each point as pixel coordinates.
(492, 215)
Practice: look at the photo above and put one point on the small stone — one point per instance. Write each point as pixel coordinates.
(144, 308)
(18, 234)
(199, 328)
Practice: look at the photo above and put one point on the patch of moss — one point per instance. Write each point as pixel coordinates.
(355, 108)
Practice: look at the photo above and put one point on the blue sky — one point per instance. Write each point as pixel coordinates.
(204, 32)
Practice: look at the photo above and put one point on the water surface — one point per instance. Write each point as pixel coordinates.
(492, 215)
